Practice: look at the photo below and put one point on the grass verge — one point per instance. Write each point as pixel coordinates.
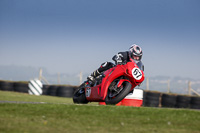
(68, 117)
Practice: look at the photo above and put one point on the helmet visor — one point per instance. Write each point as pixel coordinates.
(135, 57)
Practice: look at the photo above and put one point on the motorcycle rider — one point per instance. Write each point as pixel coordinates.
(135, 53)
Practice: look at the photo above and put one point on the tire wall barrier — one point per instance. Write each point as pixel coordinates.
(21, 87)
(183, 101)
(52, 90)
(195, 103)
(168, 100)
(65, 91)
(156, 99)
(150, 98)
(61, 91)
(6, 86)
(45, 89)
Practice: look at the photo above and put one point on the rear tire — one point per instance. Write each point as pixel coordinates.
(79, 95)
(114, 100)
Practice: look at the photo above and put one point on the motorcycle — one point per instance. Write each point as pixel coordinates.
(111, 86)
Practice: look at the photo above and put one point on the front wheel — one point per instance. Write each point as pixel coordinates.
(116, 94)
(79, 95)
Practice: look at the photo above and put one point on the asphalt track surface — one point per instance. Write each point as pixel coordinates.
(21, 102)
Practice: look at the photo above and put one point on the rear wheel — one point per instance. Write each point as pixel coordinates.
(116, 94)
(79, 95)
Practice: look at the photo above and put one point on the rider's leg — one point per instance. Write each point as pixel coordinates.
(93, 75)
(105, 66)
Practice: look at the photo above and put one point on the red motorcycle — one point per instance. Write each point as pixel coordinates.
(112, 85)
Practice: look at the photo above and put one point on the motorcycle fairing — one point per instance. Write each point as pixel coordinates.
(99, 92)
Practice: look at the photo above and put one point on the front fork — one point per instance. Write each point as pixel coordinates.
(120, 82)
(116, 87)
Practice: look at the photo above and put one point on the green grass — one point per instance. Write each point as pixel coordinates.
(14, 96)
(64, 116)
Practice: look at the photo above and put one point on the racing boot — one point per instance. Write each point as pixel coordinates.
(91, 78)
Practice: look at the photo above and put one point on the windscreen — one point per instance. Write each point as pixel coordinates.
(140, 65)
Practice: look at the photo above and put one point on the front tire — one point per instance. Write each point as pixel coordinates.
(114, 99)
(79, 95)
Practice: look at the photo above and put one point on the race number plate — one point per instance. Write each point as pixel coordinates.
(137, 74)
(88, 92)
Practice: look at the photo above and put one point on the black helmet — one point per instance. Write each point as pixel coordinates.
(135, 52)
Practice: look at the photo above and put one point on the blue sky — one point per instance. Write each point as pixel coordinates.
(69, 36)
